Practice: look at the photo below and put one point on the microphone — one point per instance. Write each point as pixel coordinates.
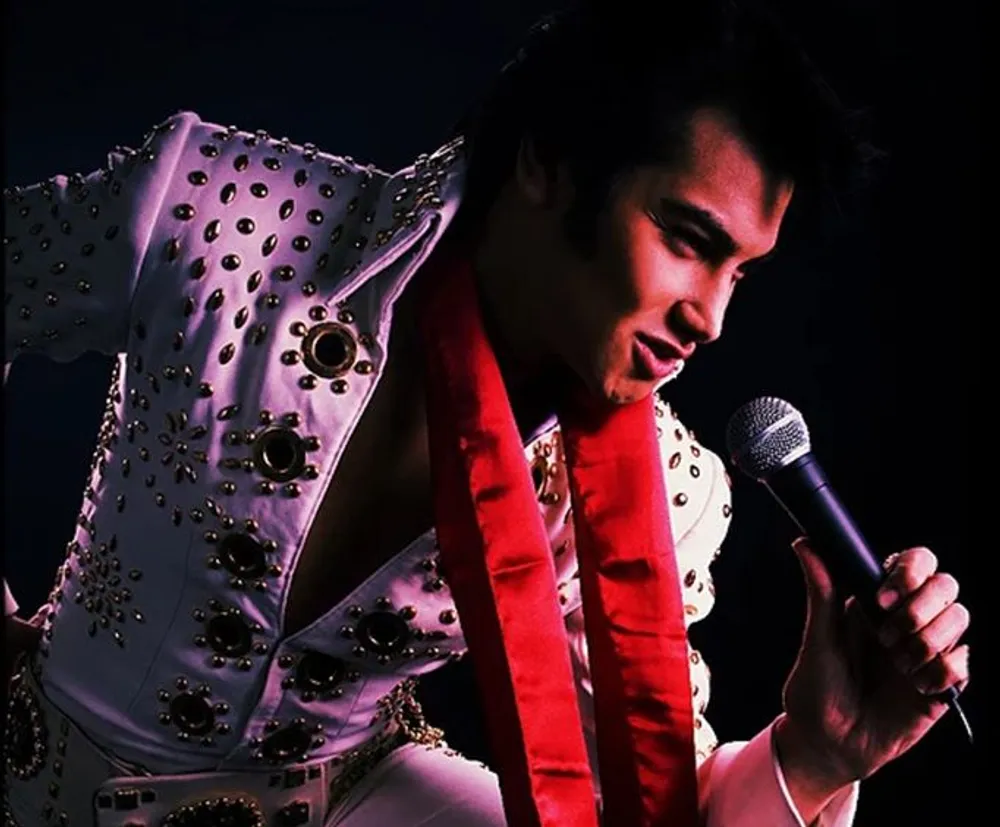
(767, 439)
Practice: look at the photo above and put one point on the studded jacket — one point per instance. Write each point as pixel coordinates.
(245, 287)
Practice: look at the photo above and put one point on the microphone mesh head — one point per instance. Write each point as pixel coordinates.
(765, 435)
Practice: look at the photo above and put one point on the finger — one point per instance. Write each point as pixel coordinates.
(911, 568)
(937, 593)
(936, 638)
(946, 670)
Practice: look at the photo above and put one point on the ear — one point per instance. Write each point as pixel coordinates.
(539, 184)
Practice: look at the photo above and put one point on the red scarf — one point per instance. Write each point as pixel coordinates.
(500, 569)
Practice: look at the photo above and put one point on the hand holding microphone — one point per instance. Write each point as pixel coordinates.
(864, 697)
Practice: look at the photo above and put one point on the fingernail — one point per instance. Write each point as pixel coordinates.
(890, 562)
(887, 598)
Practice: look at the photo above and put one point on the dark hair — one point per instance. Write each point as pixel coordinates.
(609, 86)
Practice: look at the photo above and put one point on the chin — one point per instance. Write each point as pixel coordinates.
(624, 390)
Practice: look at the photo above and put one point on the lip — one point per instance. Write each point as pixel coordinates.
(656, 358)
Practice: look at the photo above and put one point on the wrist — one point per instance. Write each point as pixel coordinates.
(811, 772)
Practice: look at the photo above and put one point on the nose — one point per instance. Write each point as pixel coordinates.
(699, 318)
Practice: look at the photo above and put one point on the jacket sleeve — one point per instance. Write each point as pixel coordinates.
(74, 249)
(740, 783)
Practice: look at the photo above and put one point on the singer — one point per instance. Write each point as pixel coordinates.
(362, 423)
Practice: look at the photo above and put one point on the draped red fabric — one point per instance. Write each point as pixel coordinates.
(500, 569)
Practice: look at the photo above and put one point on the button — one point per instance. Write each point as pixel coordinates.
(382, 632)
(192, 713)
(228, 634)
(318, 672)
(243, 556)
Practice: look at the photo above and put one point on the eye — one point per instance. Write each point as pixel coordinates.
(682, 240)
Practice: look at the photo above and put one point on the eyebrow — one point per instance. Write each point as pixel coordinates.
(722, 242)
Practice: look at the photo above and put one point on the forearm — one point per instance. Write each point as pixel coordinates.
(810, 784)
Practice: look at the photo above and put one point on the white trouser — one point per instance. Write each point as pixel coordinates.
(420, 786)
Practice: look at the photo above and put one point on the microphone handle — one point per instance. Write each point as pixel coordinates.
(805, 493)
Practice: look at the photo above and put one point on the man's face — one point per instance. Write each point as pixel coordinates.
(671, 246)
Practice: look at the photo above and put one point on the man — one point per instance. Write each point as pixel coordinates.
(308, 355)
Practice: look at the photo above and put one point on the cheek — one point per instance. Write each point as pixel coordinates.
(644, 267)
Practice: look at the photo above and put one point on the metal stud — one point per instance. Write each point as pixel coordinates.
(213, 230)
(198, 268)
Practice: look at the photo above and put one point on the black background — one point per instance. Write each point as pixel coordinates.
(876, 338)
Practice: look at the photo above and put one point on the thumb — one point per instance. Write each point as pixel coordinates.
(821, 615)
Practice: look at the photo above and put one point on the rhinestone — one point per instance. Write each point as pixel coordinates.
(229, 635)
(254, 280)
(301, 243)
(228, 193)
(286, 744)
(231, 262)
(319, 672)
(209, 150)
(382, 632)
(245, 226)
(241, 162)
(193, 714)
(269, 245)
(197, 178)
(184, 212)
(258, 190)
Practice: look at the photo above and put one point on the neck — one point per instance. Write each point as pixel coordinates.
(533, 378)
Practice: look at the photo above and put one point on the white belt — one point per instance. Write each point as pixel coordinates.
(57, 777)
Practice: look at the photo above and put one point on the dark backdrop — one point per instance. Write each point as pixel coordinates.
(874, 338)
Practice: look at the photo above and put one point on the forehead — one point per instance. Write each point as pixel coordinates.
(718, 171)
